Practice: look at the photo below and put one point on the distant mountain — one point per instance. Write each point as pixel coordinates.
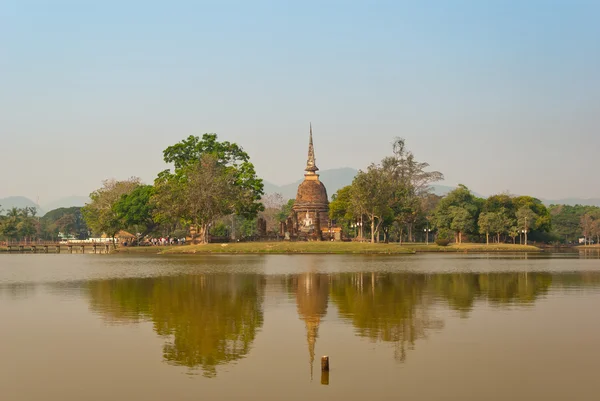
(21, 202)
(18, 202)
(333, 180)
(67, 202)
(572, 202)
(442, 190)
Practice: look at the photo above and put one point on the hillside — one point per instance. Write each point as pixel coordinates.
(18, 202)
(333, 179)
(572, 201)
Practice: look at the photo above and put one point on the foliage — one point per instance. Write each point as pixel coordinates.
(566, 220)
(390, 194)
(526, 220)
(458, 211)
(513, 232)
(485, 224)
(200, 193)
(135, 211)
(371, 194)
(231, 157)
(442, 241)
(340, 207)
(68, 221)
(100, 214)
(20, 224)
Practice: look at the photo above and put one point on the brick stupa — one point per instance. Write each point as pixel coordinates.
(311, 207)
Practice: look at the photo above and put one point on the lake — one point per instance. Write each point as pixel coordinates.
(422, 327)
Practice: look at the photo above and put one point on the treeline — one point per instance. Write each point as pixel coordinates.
(213, 190)
(23, 224)
(569, 223)
(391, 201)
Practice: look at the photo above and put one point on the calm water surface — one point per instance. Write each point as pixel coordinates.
(425, 327)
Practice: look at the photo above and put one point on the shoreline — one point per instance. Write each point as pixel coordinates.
(332, 248)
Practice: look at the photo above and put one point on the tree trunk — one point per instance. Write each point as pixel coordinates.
(203, 233)
(460, 237)
(487, 238)
(525, 237)
(410, 235)
(372, 230)
(498, 238)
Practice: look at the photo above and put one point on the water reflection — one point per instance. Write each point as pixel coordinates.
(312, 297)
(208, 320)
(213, 319)
(386, 307)
(461, 290)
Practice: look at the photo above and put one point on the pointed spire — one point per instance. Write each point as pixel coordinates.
(311, 166)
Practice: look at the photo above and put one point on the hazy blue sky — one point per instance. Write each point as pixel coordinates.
(498, 95)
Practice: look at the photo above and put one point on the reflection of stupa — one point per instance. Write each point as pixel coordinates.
(312, 295)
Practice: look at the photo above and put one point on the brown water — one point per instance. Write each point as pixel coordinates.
(425, 327)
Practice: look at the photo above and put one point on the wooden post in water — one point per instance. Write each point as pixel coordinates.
(325, 378)
(325, 370)
(325, 363)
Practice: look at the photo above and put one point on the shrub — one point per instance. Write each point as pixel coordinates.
(443, 238)
(442, 241)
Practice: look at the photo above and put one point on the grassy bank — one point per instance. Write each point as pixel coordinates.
(324, 248)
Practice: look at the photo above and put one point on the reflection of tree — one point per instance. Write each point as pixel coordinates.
(312, 296)
(386, 307)
(463, 289)
(209, 319)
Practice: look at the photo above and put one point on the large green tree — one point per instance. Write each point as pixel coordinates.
(485, 224)
(200, 193)
(68, 221)
(394, 192)
(230, 156)
(462, 221)
(458, 211)
(411, 181)
(526, 220)
(100, 214)
(135, 210)
(371, 194)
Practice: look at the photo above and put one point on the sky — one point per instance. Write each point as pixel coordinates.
(497, 95)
